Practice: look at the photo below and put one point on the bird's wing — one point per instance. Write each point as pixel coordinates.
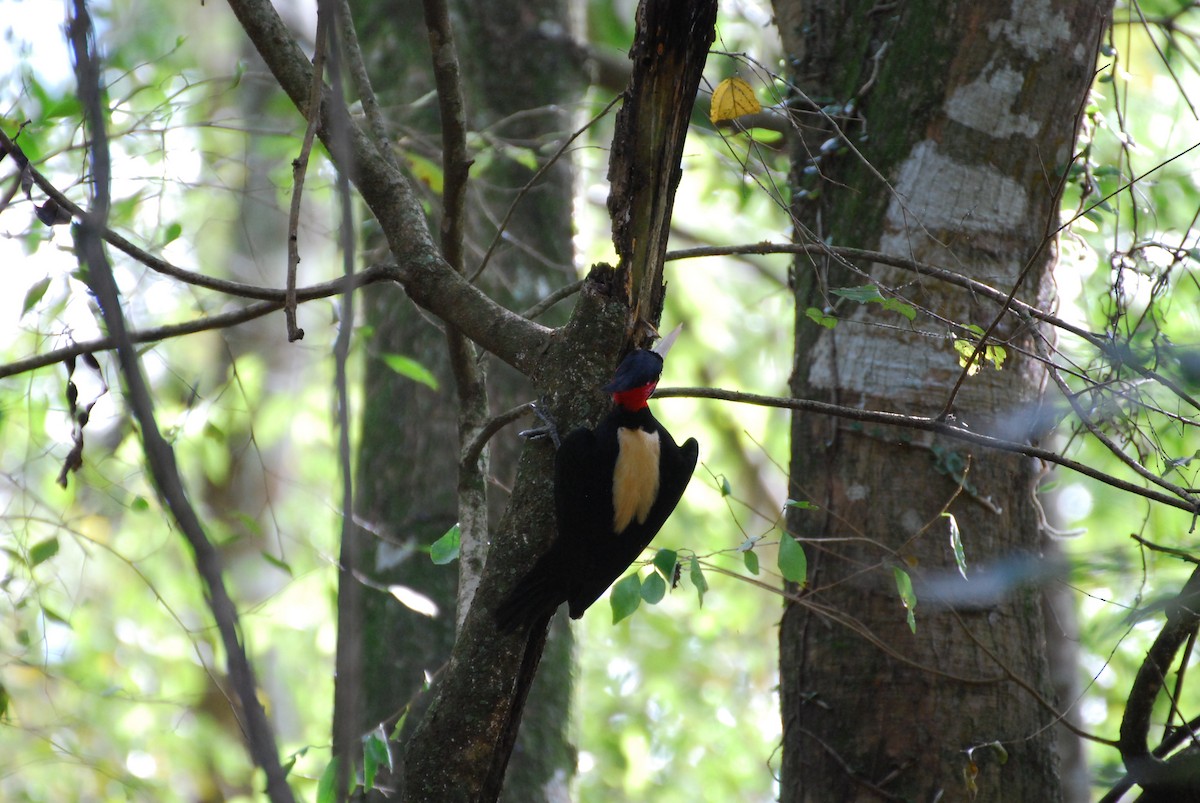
(676, 464)
(609, 553)
(548, 584)
(579, 488)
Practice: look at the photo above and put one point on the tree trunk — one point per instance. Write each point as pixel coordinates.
(407, 472)
(954, 125)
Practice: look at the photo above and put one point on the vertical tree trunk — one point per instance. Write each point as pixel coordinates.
(964, 115)
(408, 457)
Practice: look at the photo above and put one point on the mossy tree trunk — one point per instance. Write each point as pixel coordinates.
(944, 135)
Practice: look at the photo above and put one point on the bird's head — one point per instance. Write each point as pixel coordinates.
(635, 379)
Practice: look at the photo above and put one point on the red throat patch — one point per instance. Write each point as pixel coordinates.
(634, 399)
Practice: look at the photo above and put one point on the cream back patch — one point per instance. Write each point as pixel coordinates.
(635, 479)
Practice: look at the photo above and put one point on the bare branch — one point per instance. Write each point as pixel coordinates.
(220, 321)
(1013, 305)
(357, 70)
(469, 376)
(151, 261)
(1174, 778)
(160, 457)
(299, 171)
(1185, 501)
(348, 704)
(503, 225)
(425, 274)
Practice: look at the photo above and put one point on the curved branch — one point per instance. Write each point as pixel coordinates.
(1184, 501)
(425, 275)
(160, 457)
(1018, 307)
(222, 320)
(157, 264)
(1170, 779)
(913, 266)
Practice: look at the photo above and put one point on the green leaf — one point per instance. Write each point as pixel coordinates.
(34, 294)
(864, 294)
(139, 504)
(326, 787)
(819, 317)
(250, 524)
(445, 549)
(960, 556)
(665, 560)
(278, 563)
(869, 294)
(43, 551)
(66, 106)
(750, 558)
(172, 232)
(696, 575)
(907, 596)
(793, 563)
(896, 305)
(726, 488)
(375, 755)
(994, 354)
(410, 368)
(800, 504)
(396, 731)
(625, 597)
(522, 156)
(654, 588)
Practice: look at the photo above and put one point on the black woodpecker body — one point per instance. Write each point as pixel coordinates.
(614, 487)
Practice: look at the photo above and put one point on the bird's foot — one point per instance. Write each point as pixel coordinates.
(547, 430)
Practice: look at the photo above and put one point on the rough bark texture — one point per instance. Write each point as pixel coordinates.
(968, 113)
(461, 749)
(408, 464)
(651, 126)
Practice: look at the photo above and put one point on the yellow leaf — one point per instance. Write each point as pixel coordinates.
(733, 98)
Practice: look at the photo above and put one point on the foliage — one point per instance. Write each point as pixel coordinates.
(109, 625)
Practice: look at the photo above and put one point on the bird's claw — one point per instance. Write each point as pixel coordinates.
(547, 430)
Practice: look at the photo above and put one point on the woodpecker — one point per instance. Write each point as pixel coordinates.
(614, 487)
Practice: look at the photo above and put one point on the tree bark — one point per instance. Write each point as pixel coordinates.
(408, 493)
(944, 133)
(461, 749)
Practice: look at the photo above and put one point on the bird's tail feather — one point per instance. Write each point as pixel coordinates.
(534, 599)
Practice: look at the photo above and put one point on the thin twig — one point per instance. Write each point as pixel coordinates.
(474, 448)
(469, 374)
(1186, 501)
(500, 229)
(299, 172)
(549, 301)
(1108, 443)
(361, 80)
(160, 457)
(222, 320)
(1166, 550)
